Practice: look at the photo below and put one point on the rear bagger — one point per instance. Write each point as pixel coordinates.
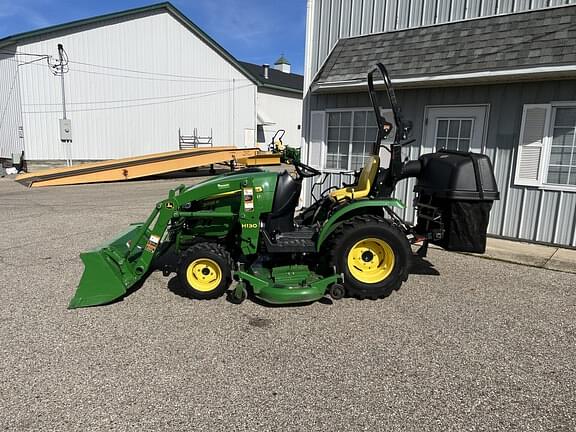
(455, 192)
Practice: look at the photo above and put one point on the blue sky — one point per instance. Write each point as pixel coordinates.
(256, 31)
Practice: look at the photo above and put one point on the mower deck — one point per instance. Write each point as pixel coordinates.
(286, 284)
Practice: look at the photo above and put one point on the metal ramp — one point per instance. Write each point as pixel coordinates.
(137, 167)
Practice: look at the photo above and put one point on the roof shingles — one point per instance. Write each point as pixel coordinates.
(275, 77)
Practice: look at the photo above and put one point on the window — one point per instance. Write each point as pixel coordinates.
(562, 162)
(547, 149)
(351, 135)
(455, 127)
(454, 133)
(363, 136)
(339, 124)
(260, 136)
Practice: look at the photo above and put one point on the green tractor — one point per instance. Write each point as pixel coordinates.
(287, 154)
(243, 226)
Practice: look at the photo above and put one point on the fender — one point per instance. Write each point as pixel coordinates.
(355, 208)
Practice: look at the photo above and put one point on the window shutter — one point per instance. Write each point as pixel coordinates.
(317, 139)
(530, 155)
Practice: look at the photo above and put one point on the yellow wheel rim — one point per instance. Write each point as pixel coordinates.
(204, 274)
(371, 260)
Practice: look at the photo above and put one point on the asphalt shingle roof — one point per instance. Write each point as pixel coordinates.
(275, 77)
(545, 37)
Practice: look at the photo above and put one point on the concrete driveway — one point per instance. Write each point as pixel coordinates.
(467, 344)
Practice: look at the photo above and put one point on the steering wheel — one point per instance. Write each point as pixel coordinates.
(304, 170)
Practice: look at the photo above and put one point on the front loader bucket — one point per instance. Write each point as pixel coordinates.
(108, 271)
(100, 282)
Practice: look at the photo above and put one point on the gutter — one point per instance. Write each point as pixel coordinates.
(277, 87)
(564, 71)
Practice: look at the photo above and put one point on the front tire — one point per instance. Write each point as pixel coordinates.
(205, 271)
(373, 256)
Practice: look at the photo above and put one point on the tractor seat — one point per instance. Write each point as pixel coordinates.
(365, 182)
(286, 197)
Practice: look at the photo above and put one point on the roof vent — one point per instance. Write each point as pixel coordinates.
(266, 70)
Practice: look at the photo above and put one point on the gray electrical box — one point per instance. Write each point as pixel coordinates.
(65, 130)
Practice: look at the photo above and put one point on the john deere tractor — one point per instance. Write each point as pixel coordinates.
(287, 154)
(242, 226)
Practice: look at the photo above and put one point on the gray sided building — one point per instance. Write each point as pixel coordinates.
(503, 85)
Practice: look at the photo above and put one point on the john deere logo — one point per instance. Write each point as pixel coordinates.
(223, 186)
(249, 225)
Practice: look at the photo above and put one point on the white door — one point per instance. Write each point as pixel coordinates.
(455, 128)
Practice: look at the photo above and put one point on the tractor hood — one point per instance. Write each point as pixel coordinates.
(227, 184)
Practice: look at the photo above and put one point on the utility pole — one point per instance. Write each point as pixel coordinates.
(60, 54)
(65, 123)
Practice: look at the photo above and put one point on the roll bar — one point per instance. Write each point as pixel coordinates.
(402, 125)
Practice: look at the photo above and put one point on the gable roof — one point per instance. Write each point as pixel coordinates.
(165, 7)
(484, 48)
(276, 79)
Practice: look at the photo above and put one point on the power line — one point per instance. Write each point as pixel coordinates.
(4, 51)
(145, 72)
(191, 77)
(120, 100)
(213, 93)
(165, 78)
(33, 61)
(145, 78)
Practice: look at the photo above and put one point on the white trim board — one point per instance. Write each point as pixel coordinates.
(483, 76)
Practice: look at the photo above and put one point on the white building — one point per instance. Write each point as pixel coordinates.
(132, 80)
(279, 102)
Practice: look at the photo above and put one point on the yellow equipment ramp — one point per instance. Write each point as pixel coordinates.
(262, 159)
(136, 167)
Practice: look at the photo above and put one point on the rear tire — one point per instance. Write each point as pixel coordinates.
(373, 256)
(205, 271)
